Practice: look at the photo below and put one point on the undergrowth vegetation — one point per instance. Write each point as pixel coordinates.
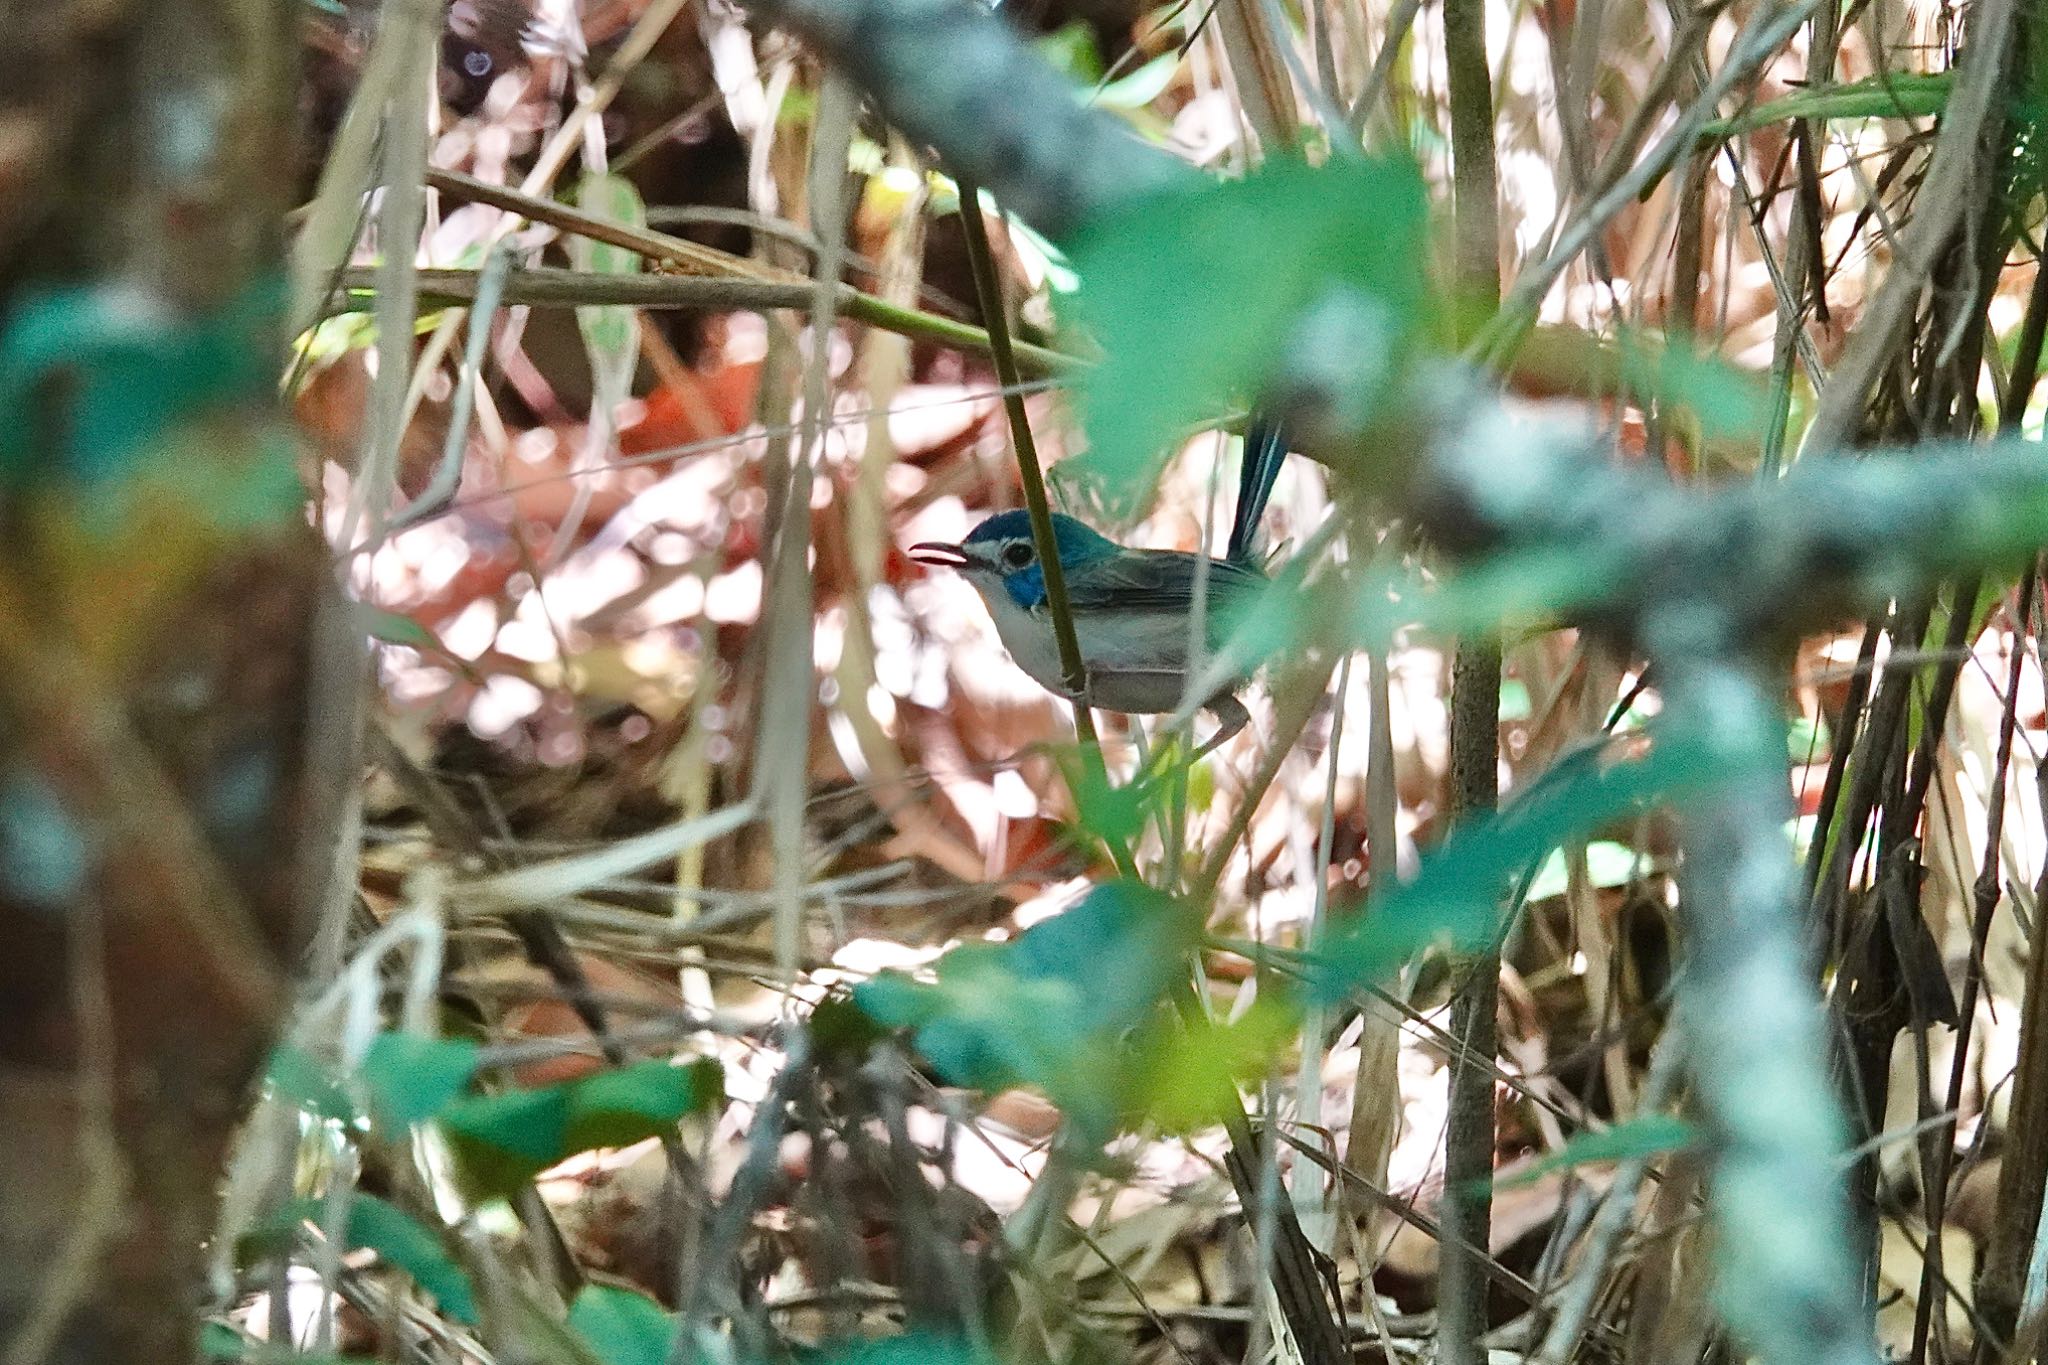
(1609, 941)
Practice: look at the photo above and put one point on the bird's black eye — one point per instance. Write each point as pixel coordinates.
(1017, 555)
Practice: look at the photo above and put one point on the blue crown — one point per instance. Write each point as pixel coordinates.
(1076, 542)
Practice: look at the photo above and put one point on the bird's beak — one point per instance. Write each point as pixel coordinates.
(939, 552)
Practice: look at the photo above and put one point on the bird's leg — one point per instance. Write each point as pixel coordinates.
(1230, 718)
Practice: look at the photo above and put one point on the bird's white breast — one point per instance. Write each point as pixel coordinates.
(1136, 659)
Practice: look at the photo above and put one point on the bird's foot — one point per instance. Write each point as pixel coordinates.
(1231, 717)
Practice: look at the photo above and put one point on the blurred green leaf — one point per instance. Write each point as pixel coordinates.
(1807, 739)
(1142, 86)
(131, 373)
(1457, 897)
(1184, 1078)
(302, 1080)
(912, 1348)
(1727, 403)
(1194, 294)
(1071, 49)
(1608, 865)
(505, 1140)
(623, 1327)
(1643, 1136)
(411, 1078)
(1048, 1009)
(1514, 700)
(395, 629)
(647, 1099)
(402, 1240)
(611, 334)
(1112, 812)
(1901, 94)
(218, 1341)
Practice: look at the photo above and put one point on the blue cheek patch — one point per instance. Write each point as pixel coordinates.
(1026, 587)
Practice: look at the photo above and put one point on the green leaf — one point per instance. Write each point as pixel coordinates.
(611, 334)
(218, 1341)
(402, 1240)
(1608, 865)
(1514, 700)
(300, 1079)
(1900, 95)
(1071, 49)
(395, 629)
(129, 372)
(912, 1348)
(505, 1140)
(1458, 896)
(1049, 1009)
(1727, 403)
(623, 1327)
(1194, 294)
(1142, 86)
(411, 1079)
(1182, 1080)
(646, 1099)
(1808, 740)
(1643, 1136)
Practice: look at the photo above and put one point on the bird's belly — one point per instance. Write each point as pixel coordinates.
(1137, 661)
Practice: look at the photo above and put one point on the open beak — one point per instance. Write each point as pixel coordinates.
(939, 552)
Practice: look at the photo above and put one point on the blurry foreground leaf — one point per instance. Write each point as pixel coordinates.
(1457, 898)
(611, 335)
(401, 1240)
(303, 1081)
(505, 1140)
(1725, 402)
(1194, 294)
(1182, 1080)
(1901, 94)
(622, 1327)
(1608, 865)
(1048, 1010)
(914, 1348)
(1642, 1136)
(411, 1078)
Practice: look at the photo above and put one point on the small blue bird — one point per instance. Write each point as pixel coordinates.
(1131, 607)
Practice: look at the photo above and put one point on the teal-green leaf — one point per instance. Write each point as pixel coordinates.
(298, 1078)
(1049, 1009)
(397, 1237)
(1193, 294)
(623, 1327)
(1643, 1136)
(505, 1140)
(1458, 896)
(912, 1348)
(408, 1244)
(614, 1108)
(411, 1079)
(1902, 94)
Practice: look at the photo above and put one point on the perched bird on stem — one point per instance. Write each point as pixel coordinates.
(1133, 609)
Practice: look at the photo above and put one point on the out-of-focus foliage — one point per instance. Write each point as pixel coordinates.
(1193, 296)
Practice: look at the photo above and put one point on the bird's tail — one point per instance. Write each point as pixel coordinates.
(1265, 451)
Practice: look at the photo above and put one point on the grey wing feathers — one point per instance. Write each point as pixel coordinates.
(1158, 580)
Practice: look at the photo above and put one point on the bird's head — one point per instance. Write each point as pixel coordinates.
(1000, 551)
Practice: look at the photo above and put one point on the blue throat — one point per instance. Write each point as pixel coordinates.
(1027, 587)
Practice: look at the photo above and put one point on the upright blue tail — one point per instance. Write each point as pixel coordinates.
(1264, 452)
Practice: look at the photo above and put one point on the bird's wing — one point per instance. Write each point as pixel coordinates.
(1157, 580)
